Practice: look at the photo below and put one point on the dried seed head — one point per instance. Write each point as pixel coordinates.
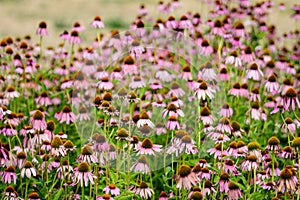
(122, 133)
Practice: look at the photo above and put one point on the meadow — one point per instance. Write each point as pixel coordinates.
(149, 100)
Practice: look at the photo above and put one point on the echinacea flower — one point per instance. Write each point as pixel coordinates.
(273, 144)
(83, 175)
(42, 29)
(97, 23)
(204, 91)
(66, 115)
(33, 196)
(9, 175)
(234, 192)
(104, 197)
(87, 155)
(11, 93)
(147, 147)
(143, 190)
(288, 181)
(28, 170)
(10, 193)
(290, 99)
(43, 99)
(144, 119)
(186, 178)
(112, 189)
(141, 165)
(57, 147)
(224, 182)
(250, 163)
(38, 121)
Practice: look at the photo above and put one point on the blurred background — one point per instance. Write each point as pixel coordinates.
(21, 17)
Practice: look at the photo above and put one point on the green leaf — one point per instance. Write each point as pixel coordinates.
(58, 194)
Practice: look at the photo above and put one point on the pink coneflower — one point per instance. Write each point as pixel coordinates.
(78, 27)
(64, 170)
(240, 30)
(172, 110)
(28, 170)
(184, 23)
(112, 189)
(254, 95)
(226, 111)
(172, 123)
(136, 49)
(99, 143)
(233, 59)
(43, 99)
(248, 56)
(83, 115)
(224, 125)
(186, 178)
(143, 190)
(11, 194)
(66, 115)
(105, 84)
(269, 169)
(74, 37)
(57, 147)
(207, 72)
(291, 99)
(204, 91)
(218, 28)
(176, 90)
(87, 155)
(64, 35)
(186, 73)
(205, 116)
(234, 192)
(11, 93)
(224, 182)
(171, 23)
(163, 75)
(140, 29)
(9, 175)
(273, 144)
(218, 151)
(254, 149)
(289, 126)
(223, 75)
(83, 175)
(104, 197)
(208, 188)
(137, 83)
(147, 147)
(129, 66)
(97, 22)
(288, 181)
(33, 196)
(254, 72)
(287, 152)
(141, 165)
(163, 196)
(271, 85)
(42, 29)
(205, 49)
(144, 119)
(38, 122)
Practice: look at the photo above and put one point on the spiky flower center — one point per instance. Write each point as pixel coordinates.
(252, 158)
(68, 144)
(225, 176)
(296, 142)
(205, 111)
(122, 132)
(87, 150)
(286, 174)
(56, 142)
(291, 93)
(274, 141)
(184, 170)
(253, 146)
(33, 195)
(28, 164)
(147, 143)
(66, 109)
(83, 167)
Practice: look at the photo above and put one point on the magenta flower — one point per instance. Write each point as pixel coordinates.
(97, 23)
(42, 29)
(83, 175)
(112, 189)
(186, 178)
(28, 170)
(38, 122)
(147, 147)
(66, 115)
(9, 175)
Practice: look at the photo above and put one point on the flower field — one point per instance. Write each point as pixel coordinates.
(174, 107)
